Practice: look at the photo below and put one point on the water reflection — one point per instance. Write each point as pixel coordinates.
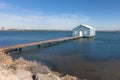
(95, 59)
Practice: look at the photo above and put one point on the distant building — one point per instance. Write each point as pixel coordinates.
(3, 28)
(84, 31)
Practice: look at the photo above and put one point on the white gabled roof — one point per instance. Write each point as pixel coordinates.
(85, 26)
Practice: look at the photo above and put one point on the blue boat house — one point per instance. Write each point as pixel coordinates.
(83, 31)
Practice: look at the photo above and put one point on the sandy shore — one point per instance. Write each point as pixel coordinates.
(21, 69)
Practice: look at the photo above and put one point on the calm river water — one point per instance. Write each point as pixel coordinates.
(94, 59)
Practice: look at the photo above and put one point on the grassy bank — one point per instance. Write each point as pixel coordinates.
(21, 69)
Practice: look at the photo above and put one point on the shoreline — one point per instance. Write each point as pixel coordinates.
(27, 70)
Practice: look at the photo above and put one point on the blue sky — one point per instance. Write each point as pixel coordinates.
(60, 14)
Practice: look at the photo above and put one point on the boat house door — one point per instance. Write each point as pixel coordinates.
(81, 33)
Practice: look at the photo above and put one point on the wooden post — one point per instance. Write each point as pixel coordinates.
(39, 46)
(19, 50)
(50, 44)
(65, 40)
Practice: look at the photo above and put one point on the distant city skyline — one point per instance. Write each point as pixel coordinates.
(60, 14)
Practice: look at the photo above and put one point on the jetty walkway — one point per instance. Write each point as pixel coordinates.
(20, 46)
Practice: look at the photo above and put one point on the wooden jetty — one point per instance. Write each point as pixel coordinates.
(19, 47)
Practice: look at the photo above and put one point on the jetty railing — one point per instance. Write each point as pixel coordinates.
(20, 46)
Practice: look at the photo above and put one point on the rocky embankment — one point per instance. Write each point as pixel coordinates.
(21, 69)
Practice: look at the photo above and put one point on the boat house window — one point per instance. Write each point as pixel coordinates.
(85, 32)
(75, 32)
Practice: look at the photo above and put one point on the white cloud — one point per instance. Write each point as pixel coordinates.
(11, 16)
(62, 22)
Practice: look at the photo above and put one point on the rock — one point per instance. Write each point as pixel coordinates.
(67, 77)
(49, 76)
(7, 75)
(10, 74)
(23, 75)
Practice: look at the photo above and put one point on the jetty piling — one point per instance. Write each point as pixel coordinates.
(50, 44)
(19, 50)
(39, 46)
